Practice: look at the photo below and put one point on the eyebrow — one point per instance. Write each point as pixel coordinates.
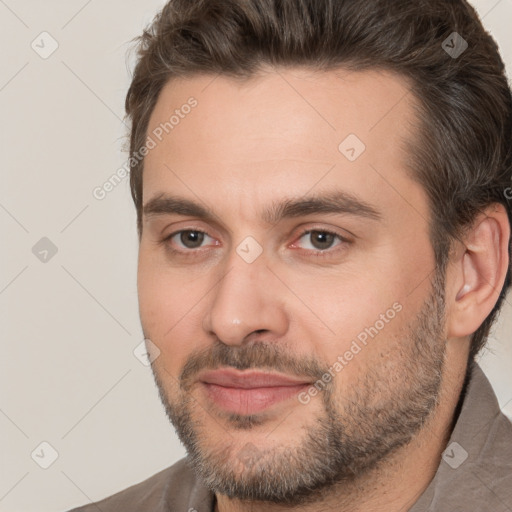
(332, 202)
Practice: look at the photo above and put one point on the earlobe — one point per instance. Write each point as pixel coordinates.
(479, 272)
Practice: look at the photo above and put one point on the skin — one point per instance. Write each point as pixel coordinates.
(245, 146)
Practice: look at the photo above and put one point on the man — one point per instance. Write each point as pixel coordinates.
(324, 244)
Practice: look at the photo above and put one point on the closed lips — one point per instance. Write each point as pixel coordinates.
(249, 379)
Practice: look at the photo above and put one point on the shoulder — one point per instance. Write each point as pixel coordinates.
(475, 471)
(152, 494)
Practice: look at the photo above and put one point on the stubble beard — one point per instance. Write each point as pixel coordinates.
(354, 434)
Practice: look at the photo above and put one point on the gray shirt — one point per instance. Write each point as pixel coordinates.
(474, 474)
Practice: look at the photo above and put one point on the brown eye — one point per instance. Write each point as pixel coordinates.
(185, 240)
(320, 240)
(191, 239)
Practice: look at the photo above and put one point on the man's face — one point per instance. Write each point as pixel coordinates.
(314, 264)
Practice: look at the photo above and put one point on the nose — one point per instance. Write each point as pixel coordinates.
(245, 301)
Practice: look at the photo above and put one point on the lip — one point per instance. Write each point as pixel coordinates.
(250, 391)
(248, 379)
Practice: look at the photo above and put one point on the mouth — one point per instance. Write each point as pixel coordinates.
(250, 391)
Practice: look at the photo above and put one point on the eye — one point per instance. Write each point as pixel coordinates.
(321, 239)
(187, 238)
(318, 241)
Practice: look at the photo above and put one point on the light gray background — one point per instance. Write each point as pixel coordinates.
(68, 375)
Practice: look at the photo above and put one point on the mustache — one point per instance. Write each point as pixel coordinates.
(260, 355)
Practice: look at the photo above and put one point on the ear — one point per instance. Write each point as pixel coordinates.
(478, 271)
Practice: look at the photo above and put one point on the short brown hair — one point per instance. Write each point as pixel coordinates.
(463, 158)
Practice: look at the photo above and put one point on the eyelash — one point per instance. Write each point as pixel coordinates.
(315, 253)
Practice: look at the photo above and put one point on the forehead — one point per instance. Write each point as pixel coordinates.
(286, 130)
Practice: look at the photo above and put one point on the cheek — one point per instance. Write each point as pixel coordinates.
(338, 305)
(160, 318)
(156, 297)
(169, 309)
(348, 319)
(159, 291)
(151, 289)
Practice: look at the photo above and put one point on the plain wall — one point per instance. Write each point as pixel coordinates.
(68, 375)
